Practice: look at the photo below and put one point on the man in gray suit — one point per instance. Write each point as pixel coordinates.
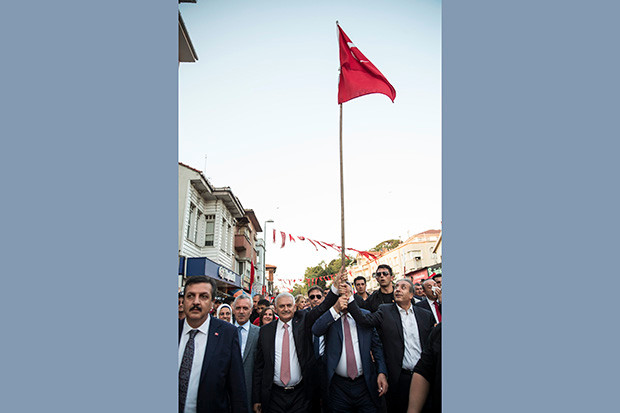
(248, 337)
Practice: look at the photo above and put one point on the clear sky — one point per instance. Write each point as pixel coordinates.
(260, 103)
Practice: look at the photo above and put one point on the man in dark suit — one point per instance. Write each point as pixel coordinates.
(316, 295)
(248, 339)
(284, 357)
(403, 329)
(210, 367)
(353, 384)
(426, 380)
(418, 292)
(432, 301)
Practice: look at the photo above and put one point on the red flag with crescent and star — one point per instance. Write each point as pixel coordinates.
(358, 76)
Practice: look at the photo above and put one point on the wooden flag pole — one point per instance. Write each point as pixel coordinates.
(342, 255)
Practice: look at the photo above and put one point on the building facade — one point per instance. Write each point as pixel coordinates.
(411, 258)
(217, 236)
(257, 287)
(246, 257)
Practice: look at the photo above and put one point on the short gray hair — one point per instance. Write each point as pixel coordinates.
(408, 281)
(284, 295)
(241, 297)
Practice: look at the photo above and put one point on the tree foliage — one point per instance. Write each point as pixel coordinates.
(321, 270)
(386, 245)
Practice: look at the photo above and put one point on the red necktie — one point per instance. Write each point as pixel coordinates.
(348, 347)
(285, 362)
(437, 311)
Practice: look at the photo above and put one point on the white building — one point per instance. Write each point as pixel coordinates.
(409, 258)
(257, 287)
(207, 218)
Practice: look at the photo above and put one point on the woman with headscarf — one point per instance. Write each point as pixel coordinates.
(224, 312)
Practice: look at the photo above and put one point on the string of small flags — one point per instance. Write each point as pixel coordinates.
(316, 244)
(290, 282)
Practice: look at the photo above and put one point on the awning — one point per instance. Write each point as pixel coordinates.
(225, 277)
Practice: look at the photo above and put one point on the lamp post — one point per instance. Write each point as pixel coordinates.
(265, 254)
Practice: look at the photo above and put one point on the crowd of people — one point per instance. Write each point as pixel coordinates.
(336, 350)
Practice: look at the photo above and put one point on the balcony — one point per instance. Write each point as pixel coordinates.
(242, 243)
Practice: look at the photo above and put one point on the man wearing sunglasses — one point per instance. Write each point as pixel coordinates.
(385, 293)
(315, 296)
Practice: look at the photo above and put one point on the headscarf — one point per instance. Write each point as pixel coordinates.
(217, 313)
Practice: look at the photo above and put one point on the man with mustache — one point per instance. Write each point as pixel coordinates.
(432, 300)
(210, 367)
(404, 330)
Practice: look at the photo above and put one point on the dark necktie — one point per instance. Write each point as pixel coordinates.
(437, 311)
(186, 369)
(240, 328)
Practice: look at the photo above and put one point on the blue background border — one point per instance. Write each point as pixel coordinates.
(89, 175)
(530, 205)
(89, 228)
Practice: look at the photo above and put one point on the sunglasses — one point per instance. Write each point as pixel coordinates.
(312, 297)
(382, 274)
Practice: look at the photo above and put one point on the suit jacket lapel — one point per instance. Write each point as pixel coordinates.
(212, 343)
(361, 338)
(273, 326)
(422, 326)
(397, 320)
(297, 338)
(252, 333)
(247, 345)
(339, 331)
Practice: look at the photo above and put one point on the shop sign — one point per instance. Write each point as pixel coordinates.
(226, 274)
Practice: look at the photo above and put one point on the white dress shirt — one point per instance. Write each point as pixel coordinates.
(341, 368)
(413, 347)
(294, 361)
(321, 338)
(200, 344)
(431, 303)
(245, 330)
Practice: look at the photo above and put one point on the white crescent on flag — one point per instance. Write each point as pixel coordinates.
(351, 46)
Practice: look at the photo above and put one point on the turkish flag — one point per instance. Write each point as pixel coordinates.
(252, 273)
(358, 76)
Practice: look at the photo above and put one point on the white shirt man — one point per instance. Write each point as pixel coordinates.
(294, 361)
(341, 368)
(413, 348)
(200, 344)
